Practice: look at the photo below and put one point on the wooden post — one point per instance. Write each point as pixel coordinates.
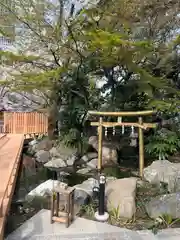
(57, 203)
(5, 122)
(100, 133)
(36, 123)
(25, 123)
(52, 207)
(14, 122)
(141, 149)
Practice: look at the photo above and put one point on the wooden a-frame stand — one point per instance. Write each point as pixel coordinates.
(140, 124)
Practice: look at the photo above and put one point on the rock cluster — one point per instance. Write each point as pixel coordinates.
(63, 158)
(164, 204)
(120, 194)
(164, 172)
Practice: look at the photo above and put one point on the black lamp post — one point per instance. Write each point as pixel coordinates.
(101, 215)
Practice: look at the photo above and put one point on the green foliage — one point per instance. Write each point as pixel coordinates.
(116, 172)
(114, 214)
(163, 143)
(168, 220)
(73, 138)
(112, 45)
(164, 221)
(110, 41)
(89, 209)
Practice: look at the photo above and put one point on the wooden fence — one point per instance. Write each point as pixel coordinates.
(25, 123)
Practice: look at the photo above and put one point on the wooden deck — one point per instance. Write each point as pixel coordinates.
(10, 154)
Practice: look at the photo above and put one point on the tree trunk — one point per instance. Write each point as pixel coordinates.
(52, 119)
(53, 111)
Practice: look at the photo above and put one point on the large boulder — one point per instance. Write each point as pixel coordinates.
(164, 204)
(32, 146)
(62, 157)
(38, 145)
(89, 156)
(71, 160)
(45, 189)
(56, 163)
(109, 150)
(44, 144)
(93, 163)
(62, 151)
(33, 142)
(121, 195)
(42, 156)
(89, 161)
(84, 171)
(54, 152)
(88, 185)
(164, 171)
(61, 162)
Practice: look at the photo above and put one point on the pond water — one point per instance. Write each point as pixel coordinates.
(21, 210)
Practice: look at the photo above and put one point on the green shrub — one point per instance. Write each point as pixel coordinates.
(163, 143)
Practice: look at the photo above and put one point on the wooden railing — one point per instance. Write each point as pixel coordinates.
(1, 129)
(25, 123)
(12, 172)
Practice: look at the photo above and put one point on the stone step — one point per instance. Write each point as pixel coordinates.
(39, 227)
(105, 236)
(147, 235)
(169, 234)
(142, 235)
